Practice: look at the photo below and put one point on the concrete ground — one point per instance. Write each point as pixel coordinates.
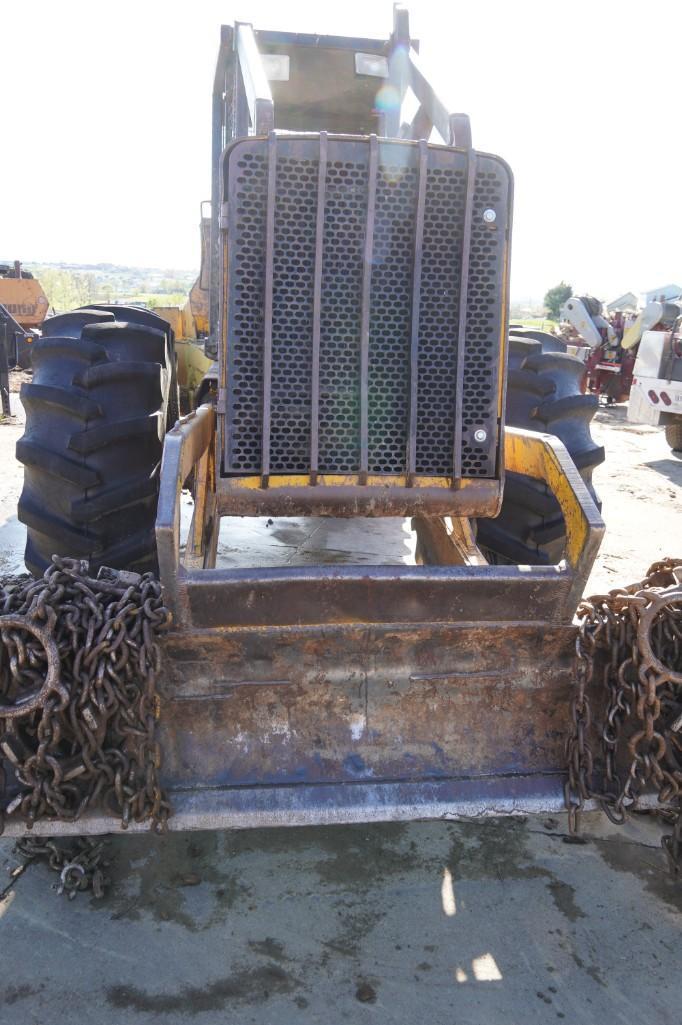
(446, 923)
(451, 923)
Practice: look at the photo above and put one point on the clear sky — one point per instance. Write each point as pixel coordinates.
(105, 113)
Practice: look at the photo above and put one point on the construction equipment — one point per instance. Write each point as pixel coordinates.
(656, 395)
(22, 295)
(608, 363)
(23, 308)
(644, 367)
(190, 328)
(358, 307)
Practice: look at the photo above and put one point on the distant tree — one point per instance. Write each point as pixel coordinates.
(106, 292)
(65, 290)
(70, 285)
(167, 285)
(85, 288)
(556, 297)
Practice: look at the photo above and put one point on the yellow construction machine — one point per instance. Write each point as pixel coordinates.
(22, 295)
(365, 385)
(23, 308)
(190, 327)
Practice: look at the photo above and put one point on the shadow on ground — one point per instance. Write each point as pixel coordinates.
(670, 468)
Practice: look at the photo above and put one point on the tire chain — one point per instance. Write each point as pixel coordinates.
(629, 654)
(78, 861)
(79, 660)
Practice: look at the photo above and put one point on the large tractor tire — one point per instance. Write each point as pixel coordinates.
(543, 394)
(97, 411)
(673, 434)
(147, 318)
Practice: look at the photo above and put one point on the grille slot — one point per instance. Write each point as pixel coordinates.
(390, 305)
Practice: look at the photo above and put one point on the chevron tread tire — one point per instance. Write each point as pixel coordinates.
(147, 318)
(96, 414)
(543, 394)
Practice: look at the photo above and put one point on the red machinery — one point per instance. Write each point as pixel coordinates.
(609, 361)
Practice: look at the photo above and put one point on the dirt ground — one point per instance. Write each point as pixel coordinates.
(640, 485)
(470, 923)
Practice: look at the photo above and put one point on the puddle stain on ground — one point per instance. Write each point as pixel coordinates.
(162, 870)
(269, 948)
(495, 849)
(356, 920)
(362, 857)
(647, 864)
(354, 854)
(12, 994)
(294, 841)
(359, 858)
(498, 849)
(563, 896)
(250, 985)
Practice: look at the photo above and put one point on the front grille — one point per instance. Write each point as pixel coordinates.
(346, 354)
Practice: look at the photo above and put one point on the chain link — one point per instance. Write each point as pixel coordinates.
(79, 862)
(629, 665)
(79, 661)
(78, 705)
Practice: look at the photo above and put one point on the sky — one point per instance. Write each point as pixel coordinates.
(105, 113)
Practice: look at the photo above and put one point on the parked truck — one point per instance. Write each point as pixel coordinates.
(656, 394)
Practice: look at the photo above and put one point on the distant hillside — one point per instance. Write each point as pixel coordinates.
(68, 285)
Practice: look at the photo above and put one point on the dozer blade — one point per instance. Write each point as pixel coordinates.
(351, 721)
(356, 693)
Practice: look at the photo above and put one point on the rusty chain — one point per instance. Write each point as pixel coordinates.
(79, 862)
(628, 668)
(78, 705)
(79, 661)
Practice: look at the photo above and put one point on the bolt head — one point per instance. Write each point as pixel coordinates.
(489, 216)
(480, 434)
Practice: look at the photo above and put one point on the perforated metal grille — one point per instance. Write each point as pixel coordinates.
(390, 307)
(344, 233)
(246, 312)
(438, 317)
(480, 364)
(388, 385)
(292, 317)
